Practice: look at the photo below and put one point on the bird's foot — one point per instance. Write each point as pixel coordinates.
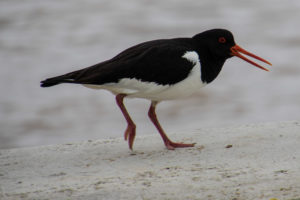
(130, 135)
(172, 145)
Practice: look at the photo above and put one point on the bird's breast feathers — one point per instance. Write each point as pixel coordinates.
(158, 92)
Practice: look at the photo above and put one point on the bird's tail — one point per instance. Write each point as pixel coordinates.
(71, 77)
(56, 80)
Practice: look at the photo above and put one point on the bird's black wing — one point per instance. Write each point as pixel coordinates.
(158, 61)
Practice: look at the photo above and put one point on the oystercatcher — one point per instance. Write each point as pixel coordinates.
(160, 70)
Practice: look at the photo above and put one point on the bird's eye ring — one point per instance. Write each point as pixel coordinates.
(222, 40)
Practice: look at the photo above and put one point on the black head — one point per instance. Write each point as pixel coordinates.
(217, 42)
(218, 45)
(214, 47)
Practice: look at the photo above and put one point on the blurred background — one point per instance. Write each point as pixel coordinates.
(40, 39)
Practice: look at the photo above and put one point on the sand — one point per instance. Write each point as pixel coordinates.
(256, 161)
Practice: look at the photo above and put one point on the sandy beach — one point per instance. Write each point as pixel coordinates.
(254, 161)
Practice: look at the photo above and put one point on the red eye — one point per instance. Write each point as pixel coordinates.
(222, 40)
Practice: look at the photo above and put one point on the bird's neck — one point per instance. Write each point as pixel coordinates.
(210, 65)
(210, 69)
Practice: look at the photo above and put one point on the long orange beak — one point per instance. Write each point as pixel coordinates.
(236, 50)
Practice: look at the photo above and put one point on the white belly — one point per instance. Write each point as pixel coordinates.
(153, 91)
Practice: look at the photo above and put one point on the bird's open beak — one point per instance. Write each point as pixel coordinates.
(236, 50)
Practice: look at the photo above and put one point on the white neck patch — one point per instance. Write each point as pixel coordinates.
(191, 56)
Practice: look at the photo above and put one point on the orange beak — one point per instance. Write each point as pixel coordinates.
(236, 50)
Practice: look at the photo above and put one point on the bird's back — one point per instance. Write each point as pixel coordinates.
(154, 61)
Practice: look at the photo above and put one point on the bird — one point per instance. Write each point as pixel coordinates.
(158, 70)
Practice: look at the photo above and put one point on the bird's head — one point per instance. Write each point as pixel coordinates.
(220, 44)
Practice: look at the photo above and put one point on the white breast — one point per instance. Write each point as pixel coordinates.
(156, 92)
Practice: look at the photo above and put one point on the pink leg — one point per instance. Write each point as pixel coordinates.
(169, 144)
(130, 131)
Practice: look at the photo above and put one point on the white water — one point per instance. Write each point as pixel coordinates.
(40, 39)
